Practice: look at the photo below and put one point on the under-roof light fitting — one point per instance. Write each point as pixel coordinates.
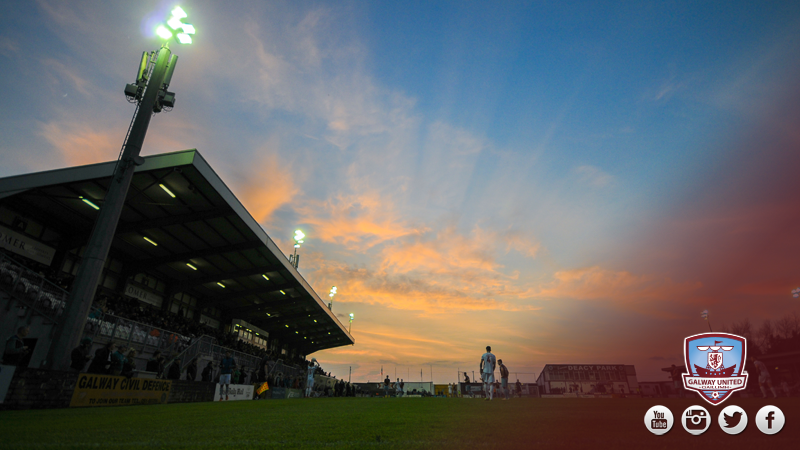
(287, 326)
(265, 276)
(284, 293)
(191, 266)
(220, 284)
(150, 241)
(89, 202)
(167, 190)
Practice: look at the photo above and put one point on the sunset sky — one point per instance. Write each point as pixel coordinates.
(568, 184)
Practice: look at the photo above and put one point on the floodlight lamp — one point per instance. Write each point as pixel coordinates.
(163, 32)
(188, 28)
(184, 38)
(351, 316)
(175, 23)
(179, 13)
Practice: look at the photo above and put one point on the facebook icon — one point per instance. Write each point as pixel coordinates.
(770, 419)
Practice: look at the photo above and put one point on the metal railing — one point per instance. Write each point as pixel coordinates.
(32, 290)
(136, 335)
(206, 346)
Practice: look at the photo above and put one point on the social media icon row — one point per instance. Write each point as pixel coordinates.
(696, 419)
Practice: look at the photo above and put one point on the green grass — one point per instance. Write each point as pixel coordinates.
(356, 423)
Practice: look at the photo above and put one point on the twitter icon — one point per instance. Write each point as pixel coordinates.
(732, 419)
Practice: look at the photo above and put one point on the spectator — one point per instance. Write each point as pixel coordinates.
(175, 370)
(101, 363)
(118, 360)
(191, 371)
(80, 355)
(129, 366)
(236, 375)
(15, 347)
(208, 372)
(519, 389)
(156, 364)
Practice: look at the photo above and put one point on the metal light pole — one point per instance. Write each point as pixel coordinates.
(350, 327)
(331, 294)
(704, 315)
(153, 97)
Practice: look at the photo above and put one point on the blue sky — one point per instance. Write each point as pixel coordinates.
(533, 174)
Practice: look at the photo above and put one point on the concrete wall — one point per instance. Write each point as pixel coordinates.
(191, 392)
(40, 389)
(45, 389)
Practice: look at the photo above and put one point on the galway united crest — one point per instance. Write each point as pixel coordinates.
(715, 365)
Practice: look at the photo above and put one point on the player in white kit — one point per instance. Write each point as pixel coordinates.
(312, 368)
(488, 363)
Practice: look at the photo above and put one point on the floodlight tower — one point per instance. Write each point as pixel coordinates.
(350, 327)
(332, 293)
(298, 239)
(150, 94)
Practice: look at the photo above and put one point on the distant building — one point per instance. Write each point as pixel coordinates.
(588, 379)
(656, 388)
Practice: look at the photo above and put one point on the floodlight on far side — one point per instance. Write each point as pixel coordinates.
(298, 238)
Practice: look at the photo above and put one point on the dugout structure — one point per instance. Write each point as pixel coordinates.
(184, 244)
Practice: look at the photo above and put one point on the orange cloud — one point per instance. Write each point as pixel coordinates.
(80, 144)
(267, 185)
(595, 283)
(357, 222)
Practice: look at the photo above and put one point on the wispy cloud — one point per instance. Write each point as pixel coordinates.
(8, 46)
(358, 222)
(77, 144)
(596, 283)
(594, 176)
(267, 185)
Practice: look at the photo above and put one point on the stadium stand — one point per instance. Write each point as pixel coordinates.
(188, 265)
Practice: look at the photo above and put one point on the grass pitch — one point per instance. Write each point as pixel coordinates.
(358, 423)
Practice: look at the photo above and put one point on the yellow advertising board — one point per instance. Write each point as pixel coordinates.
(107, 390)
